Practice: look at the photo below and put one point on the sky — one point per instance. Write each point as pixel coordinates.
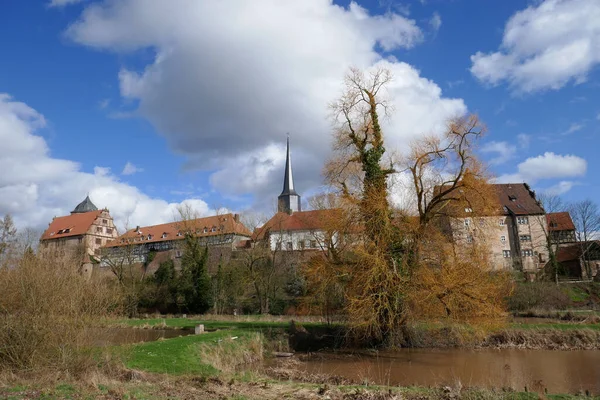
(147, 104)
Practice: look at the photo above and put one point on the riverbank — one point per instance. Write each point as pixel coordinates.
(164, 387)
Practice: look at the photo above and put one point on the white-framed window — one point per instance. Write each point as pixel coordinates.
(527, 253)
(164, 235)
(213, 229)
(522, 220)
(502, 222)
(503, 239)
(468, 209)
(205, 230)
(469, 239)
(178, 253)
(506, 253)
(467, 222)
(525, 238)
(301, 243)
(149, 237)
(289, 246)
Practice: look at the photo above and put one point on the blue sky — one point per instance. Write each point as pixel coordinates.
(197, 96)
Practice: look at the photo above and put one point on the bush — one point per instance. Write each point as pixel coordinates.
(538, 295)
(47, 312)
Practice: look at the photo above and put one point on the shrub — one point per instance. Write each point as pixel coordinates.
(47, 312)
(538, 295)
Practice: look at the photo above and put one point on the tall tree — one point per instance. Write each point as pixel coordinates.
(195, 281)
(8, 238)
(586, 218)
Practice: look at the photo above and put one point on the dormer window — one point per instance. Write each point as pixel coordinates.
(512, 197)
(213, 229)
(164, 235)
(149, 237)
(553, 224)
(179, 233)
(205, 229)
(468, 210)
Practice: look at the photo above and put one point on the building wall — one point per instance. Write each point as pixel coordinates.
(513, 242)
(298, 240)
(101, 232)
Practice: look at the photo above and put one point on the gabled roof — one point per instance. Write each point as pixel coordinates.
(298, 221)
(200, 227)
(85, 206)
(518, 199)
(70, 225)
(560, 221)
(575, 251)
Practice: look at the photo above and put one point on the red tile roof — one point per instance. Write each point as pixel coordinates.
(70, 225)
(201, 227)
(298, 221)
(560, 221)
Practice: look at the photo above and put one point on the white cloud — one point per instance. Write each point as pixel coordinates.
(102, 104)
(524, 140)
(435, 22)
(503, 151)
(561, 187)
(574, 127)
(545, 46)
(230, 78)
(35, 187)
(547, 166)
(62, 3)
(131, 169)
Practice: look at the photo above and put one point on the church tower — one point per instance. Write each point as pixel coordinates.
(288, 201)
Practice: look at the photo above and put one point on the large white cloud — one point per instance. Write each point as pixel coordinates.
(544, 46)
(230, 78)
(35, 187)
(548, 166)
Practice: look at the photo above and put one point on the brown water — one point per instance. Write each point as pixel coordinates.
(118, 336)
(556, 371)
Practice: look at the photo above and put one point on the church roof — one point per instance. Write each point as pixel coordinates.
(85, 206)
(71, 225)
(298, 221)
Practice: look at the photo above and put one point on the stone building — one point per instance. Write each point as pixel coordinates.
(221, 233)
(516, 235)
(86, 229)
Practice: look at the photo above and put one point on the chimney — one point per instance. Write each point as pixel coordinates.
(137, 229)
(236, 217)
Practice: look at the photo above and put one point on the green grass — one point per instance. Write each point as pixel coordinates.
(176, 356)
(577, 294)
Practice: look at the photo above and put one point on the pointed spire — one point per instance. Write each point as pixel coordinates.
(288, 200)
(288, 178)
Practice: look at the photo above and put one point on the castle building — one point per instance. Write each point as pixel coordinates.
(87, 229)
(222, 234)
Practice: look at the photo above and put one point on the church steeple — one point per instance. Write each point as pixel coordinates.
(288, 201)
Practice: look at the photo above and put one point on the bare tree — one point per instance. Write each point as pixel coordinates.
(551, 204)
(586, 218)
(8, 239)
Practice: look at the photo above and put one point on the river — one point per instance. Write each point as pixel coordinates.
(556, 371)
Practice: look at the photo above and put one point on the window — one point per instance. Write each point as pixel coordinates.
(80, 240)
(214, 229)
(98, 241)
(109, 231)
(468, 210)
(99, 229)
(522, 220)
(313, 244)
(205, 230)
(301, 243)
(525, 238)
(527, 253)
(467, 222)
(506, 253)
(104, 222)
(512, 197)
(469, 239)
(149, 237)
(289, 246)
(179, 233)
(503, 239)
(278, 246)
(502, 222)
(553, 224)
(164, 235)
(178, 253)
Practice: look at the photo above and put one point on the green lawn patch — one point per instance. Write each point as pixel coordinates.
(178, 355)
(559, 326)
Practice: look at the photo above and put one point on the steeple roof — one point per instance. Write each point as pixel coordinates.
(85, 206)
(288, 179)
